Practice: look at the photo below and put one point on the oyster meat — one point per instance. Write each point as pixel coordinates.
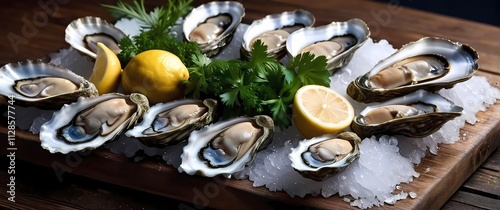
(274, 30)
(212, 25)
(226, 147)
(84, 33)
(429, 63)
(336, 41)
(321, 157)
(43, 85)
(418, 114)
(90, 122)
(170, 123)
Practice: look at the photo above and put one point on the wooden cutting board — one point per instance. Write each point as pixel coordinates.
(449, 169)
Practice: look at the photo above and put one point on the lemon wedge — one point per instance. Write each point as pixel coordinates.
(158, 74)
(107, 69)
(319, 110)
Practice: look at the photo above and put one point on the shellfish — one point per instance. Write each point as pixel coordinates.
(43, 85)
(429, 63)
(418, 114)
(336, 41)
(212, 25)
(84, 33)
(321, 157)
(274, 30)
(170, 123)
(90, 122)
(226, 147)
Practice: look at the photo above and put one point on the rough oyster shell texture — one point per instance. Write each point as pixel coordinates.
(459, 62)
(170, 123)
(274, 30)
(423, 113)
(43, 85)
(90, 122)
(337, 41)
(321, 157)
(84, 33)
(213, 36)
(226, 147)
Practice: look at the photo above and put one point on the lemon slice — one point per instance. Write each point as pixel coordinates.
(107, 70)
(319, 110)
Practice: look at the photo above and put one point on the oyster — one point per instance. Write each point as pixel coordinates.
(90, 122)
(321, 157)
(418, 114)
(170, 123)
(429, 63)
(43, 85)
(336, 41)
(274, 30)
(226, 147)
(84, 33)
(212, 25)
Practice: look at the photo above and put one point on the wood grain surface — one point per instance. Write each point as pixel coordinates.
(31, 30)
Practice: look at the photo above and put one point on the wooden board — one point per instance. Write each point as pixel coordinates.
(449, 169)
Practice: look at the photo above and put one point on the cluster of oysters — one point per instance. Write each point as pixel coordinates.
(87, 120)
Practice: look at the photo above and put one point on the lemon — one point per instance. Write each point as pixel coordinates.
(319, 110)
(157, 74)
(107, 69)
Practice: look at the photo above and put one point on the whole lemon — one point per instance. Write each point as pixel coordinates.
(157, 74)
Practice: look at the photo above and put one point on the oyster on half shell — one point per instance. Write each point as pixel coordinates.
(274, 30)
(213, 24)
(43, 85)
(226, 147)
(429, 63)
(90, 122)
(418, 114)
(321, 157)
(170, 123)
(84, 33)
(336, 41)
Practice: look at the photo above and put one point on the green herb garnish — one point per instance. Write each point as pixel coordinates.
(261, 85)
(155, 32)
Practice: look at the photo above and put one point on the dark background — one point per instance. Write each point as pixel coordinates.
(485, 11)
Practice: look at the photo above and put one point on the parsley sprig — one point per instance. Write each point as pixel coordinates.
(260, 85)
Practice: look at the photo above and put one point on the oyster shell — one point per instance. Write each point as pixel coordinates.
(274, 30)
(321, 157)
(170, 123)
(212, 25)
(337, 41)
(90, 122)
(418, 114)
(84, 33)
(226, 147)
(429, 63)
(43, 85)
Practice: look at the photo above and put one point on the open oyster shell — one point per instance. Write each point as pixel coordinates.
(429, 63)
(43, 85)
(90, 122)
(84, 33)
(337, 41)
(274, 30)
(170, 123)
(212, 25)
(226, 147)
(321, 157)
(418, 114)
